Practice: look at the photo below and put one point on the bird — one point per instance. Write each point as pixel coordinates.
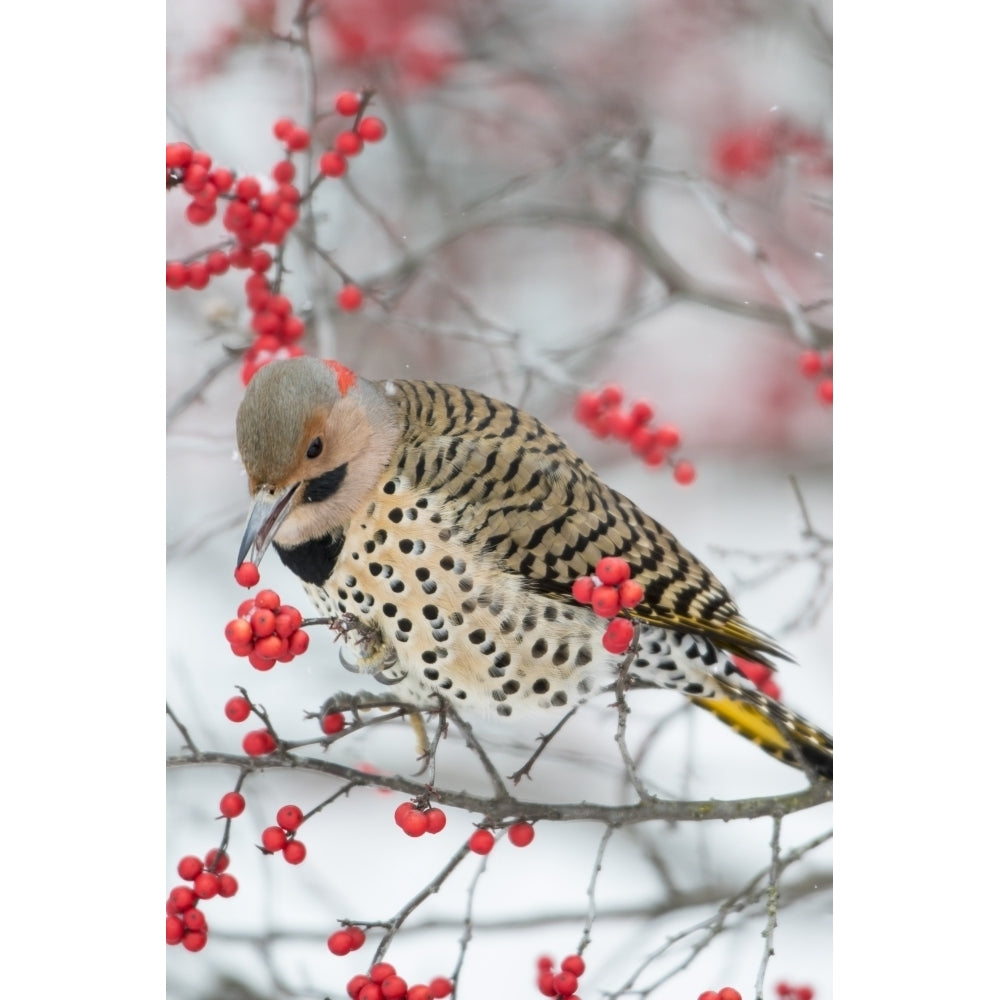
(447, 528)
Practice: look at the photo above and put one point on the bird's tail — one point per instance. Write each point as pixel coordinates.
(774, 728)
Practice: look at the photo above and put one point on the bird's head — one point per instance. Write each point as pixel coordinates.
(314, 439)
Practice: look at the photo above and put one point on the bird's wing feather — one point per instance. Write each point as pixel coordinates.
(517, 490)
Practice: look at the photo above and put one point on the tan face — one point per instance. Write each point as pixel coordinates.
(296, 429)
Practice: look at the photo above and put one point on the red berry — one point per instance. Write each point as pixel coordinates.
(370, 992)
(402, 811)
(583, 589)
(357, 936)
(481, 842)
(216, 861)
(545, 986)
(684, 472)
(414, 823)
(175, 930)
(810, 363)
(611, 395)
(332, 723)
(177, 274)
(545, 964)
(282, 127)
(612, 570)
(294, 852)
(273, 839)
(349, 143)
(206, 885)
(355, 985)
(708, 995)
(744, 151)
(267, 599)
(182, 898)
(825, 391)
(247, 188)
(728, 993)
(436, 820)
(620, 424)
(189, 867)
(667, 436)
(371, 129)
(393, 988)
(805, 993)
(239, 631)
(194, 920)
(350, 298)
(440, 987)
(260, 260)
(630, 593)
(346, 102)
(194, 940)
(232, 805)
(259, 662)
(259, 743)
(198, 275)
(247, 575)
(381, 971)
(340, 943)
(588, 406)
(419, 992)
(289, 818)
(332, 164)
(262, 623)
(605, 601)
(178, 154)
(298, 642)
(228, 885)
(217, 262)
(297, 139)
(618, 635)
(564, 983)
(641, 440)
(521, 834)
(574, 964)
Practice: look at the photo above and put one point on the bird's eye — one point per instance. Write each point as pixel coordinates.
(315, 448)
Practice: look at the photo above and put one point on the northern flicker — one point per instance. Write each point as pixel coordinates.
(450, 528)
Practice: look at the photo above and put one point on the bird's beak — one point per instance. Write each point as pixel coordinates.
(267, 510)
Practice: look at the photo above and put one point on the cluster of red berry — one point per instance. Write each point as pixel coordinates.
(610, 591)
(562, 983)
(267, 631)
(382, 983)
(604, 416)
(415, 822)
(726, 993)
(753, 150)
(345, 941)
(794, 992)
(282, 837)
(819, 365)
(186, 924)
(759, 675)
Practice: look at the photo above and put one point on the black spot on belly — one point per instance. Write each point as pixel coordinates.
(559, 698)
(511, 687)
(539, 649)
(395, 515)
(540, 686)
(504, 710)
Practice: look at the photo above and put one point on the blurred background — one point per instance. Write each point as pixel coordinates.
(568, 195)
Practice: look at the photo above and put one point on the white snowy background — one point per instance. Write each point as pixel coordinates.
(749, 421)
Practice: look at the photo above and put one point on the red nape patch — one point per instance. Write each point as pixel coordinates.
(345, 377)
